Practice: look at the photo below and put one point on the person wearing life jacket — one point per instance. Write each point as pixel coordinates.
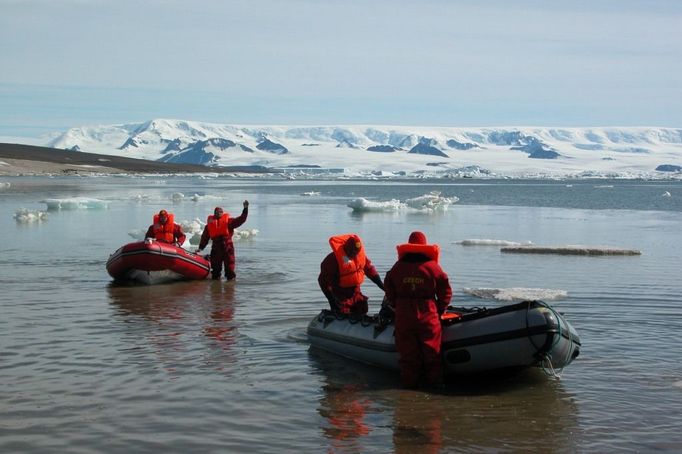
(418, 291)
(164, 229)
(343, 271)
(219, 229)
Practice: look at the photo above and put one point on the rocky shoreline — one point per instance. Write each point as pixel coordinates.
(17, 159)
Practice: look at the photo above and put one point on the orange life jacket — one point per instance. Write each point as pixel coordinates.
(164, 232)
(351, 271)
(432, 251)
(217, 227)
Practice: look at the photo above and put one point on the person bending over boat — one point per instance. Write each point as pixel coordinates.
(164, 229)
(220, 228)
(343, 271)
(418, 291)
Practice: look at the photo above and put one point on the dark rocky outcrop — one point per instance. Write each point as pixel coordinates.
(452, 143)
(536, 149)
(132, 142)
(382, 148)
(272, 147)
(423, 148)
(544, 154)
(669, 168)
(191, 156)
(173, 145)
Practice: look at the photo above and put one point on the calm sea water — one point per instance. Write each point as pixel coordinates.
(86, 366)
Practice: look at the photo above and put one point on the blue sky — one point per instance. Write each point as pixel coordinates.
(68, 63)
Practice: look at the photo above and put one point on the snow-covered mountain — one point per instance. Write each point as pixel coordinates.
(628, 152)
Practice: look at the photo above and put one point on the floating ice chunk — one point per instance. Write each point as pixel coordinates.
(362, 205)
(570, 249)
(678, 384)
(4, 185)
(665, 194)
(310, 193)
(487, 242)
(140, 198)
(75, 203)
(517, 294)
(245, 234)
(191, 227)
(431, 202)
(425, 203)
(26, 216)
(199, 197)
(177, 197)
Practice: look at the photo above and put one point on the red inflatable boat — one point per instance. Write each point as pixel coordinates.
(153, 262)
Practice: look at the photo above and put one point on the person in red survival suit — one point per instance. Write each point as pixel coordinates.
(418, 291)
(220, 228)
(164, 229)
(343, 271)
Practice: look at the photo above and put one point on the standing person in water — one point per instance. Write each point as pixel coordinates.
(342, 272)
(220, 228)
(418, 291)
(165, 229)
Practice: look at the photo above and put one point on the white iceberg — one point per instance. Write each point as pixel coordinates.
(362, 205)
(26, 216)
(430, 202)
(517, 294)
(75, 203)
(490, 242)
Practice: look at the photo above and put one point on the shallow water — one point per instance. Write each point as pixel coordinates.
(87, 366)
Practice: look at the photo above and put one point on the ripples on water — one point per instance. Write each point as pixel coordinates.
(87, 365)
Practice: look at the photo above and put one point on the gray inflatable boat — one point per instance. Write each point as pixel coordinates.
(474, 340)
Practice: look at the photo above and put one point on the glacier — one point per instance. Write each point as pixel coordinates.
(394, 151)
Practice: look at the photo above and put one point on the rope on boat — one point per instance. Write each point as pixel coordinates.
(546, 365)
(545, 356)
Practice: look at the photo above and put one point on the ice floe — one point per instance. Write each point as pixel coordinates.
(26, 216)
(310, 193)
(491, 242)
(4, 185)
(75, 203)
(570, 249)
(426, 203)
(665, 194)
(517, 294)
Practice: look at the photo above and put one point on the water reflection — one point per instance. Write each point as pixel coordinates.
(344, 408)
(187, 324)
(520, 412)
(417, 427)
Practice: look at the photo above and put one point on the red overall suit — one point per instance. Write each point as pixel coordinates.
(343, 271)
(220, 228)
(418, 290)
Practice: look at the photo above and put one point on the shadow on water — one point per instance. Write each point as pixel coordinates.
(525, 410)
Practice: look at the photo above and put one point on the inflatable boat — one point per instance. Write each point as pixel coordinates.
(475, 340)
(153, 262)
